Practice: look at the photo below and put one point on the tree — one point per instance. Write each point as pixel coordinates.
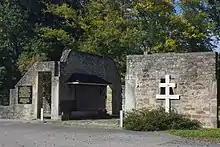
(214, 12)
(163, 30)
(14, 29)
(62, 31)
(118, 28)
(56, 25)
(33, 30)
(107, 31)
(200, 28)
(154, 20)
(52, 31)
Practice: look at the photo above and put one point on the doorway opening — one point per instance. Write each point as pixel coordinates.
(44, 94)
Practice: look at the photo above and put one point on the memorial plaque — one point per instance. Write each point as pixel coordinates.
(25, 95)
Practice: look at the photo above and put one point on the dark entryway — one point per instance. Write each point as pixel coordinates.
(88, 99)
(44, 94)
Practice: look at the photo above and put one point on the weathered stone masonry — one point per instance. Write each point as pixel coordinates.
(194, 74)
(64, 96)
(27, 111)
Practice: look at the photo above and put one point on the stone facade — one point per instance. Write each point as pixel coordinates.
(195, 75)
(6, 112)
(65, 96)
(29, 111)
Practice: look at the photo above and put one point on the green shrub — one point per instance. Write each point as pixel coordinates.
(157, 120)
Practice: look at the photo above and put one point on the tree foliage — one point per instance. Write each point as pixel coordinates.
(107, 31)
(163, 30)
(13, 29)
(199, 29)
(214, 12)
(33, 30)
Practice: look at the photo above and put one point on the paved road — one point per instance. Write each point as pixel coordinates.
(15, 134)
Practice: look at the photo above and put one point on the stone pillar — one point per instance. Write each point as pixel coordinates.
(55, 98)
(35, 97)
(130, 100)
(109, 100)
(12, 96)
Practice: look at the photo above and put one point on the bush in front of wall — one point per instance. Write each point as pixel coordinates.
(158, 120)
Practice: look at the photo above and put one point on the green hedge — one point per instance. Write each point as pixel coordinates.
(157, 120)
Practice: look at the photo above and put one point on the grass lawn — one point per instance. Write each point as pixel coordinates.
(203, 134)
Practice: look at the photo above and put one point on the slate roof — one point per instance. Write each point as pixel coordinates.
(66, 53)
(86, 78)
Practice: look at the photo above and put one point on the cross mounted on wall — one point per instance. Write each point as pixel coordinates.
(167, 96)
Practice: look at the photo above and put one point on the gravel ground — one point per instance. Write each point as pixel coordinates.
(16, 134)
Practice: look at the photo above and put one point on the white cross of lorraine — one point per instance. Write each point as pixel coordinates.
(167, 95)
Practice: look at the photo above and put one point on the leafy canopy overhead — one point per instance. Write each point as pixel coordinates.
(33, 30)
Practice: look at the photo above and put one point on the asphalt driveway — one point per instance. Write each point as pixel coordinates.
(16, 134)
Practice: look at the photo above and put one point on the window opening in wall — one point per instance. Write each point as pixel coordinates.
(162, 80)
(171, 91)
(162, 89)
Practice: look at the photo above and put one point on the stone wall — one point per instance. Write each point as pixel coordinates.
(24, 112)
(6, 112)
(30, 75)
(194, 74)
(30, 111)
(33, 78)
